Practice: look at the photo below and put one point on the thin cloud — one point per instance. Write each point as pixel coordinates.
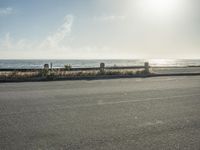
(64, 30)
(55, 43)
(9, 43)
(109, 18)
(6, 11)
(6, 42)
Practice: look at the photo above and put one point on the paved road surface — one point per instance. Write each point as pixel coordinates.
(172, 70)
(120, 114)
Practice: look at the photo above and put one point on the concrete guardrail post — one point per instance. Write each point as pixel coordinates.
(51, 65)
(46, 66)
(146, 67)
(102, 67)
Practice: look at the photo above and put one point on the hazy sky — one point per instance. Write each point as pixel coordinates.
(95, 29)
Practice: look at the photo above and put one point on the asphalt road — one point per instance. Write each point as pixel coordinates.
(119, 114)
(171, 70)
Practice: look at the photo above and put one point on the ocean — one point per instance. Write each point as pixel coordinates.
(34, 64)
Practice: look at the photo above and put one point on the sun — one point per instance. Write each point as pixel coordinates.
(160, 8)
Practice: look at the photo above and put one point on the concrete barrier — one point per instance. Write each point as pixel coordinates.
(102, 67)
(146, 67)
(46, 66)
(51, 66)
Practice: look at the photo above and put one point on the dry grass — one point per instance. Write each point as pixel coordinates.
(59, 74)
(18, 74)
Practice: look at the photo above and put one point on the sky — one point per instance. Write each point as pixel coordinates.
(99, 29)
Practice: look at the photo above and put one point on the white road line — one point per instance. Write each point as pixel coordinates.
(101, 103)
(140, 100)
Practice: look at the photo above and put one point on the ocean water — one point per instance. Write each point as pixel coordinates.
(95, 63)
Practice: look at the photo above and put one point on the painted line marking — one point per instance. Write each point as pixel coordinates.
(99, 103)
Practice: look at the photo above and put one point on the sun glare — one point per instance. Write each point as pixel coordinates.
(160, 8)
(162, 62)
